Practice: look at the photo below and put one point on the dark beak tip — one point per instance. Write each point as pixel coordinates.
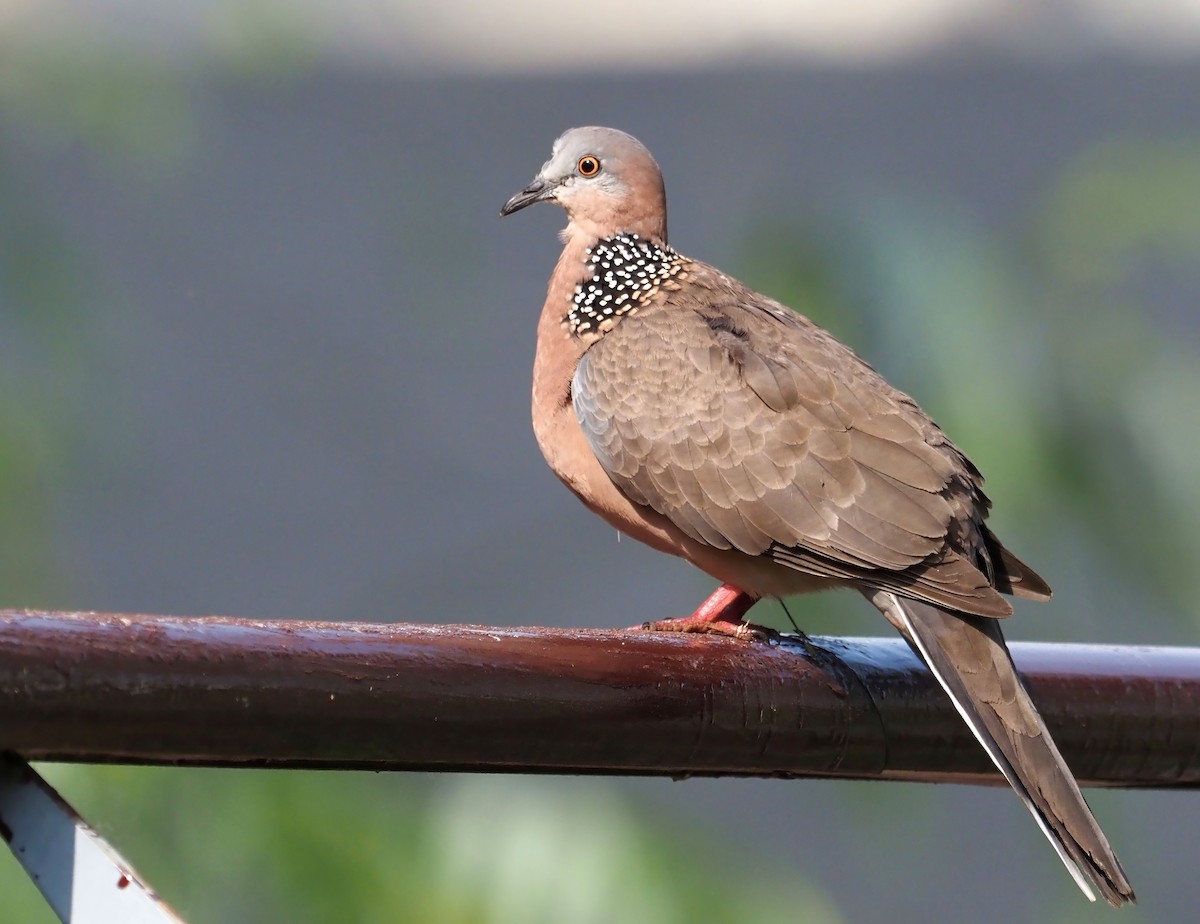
(534, 192)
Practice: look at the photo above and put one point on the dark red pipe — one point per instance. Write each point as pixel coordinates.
(237, 692)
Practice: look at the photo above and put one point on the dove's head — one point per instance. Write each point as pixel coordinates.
(607, 182)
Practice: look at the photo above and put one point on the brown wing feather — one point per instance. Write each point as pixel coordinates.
(752, 429)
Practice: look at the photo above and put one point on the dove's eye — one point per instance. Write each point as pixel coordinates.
(588, 166)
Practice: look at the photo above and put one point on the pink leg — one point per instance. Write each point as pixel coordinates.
(721, 614)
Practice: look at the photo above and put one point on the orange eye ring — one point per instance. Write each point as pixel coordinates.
(588, 166)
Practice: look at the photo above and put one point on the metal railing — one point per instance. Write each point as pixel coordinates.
(231, 692)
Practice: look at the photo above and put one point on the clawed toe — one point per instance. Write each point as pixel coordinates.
(745, 631)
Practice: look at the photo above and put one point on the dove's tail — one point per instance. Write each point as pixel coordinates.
(968, 657)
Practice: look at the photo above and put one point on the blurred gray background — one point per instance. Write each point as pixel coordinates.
(265, 351)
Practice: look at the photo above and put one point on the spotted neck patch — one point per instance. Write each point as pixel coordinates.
(626, 271)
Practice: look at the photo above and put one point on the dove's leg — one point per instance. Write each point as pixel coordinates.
(721, 614)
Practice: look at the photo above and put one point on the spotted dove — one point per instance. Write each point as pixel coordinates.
(716, 424)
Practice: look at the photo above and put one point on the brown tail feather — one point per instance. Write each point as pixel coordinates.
(1011, 575)
(968, 656)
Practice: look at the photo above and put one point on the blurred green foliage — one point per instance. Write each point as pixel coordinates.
(257, 847)
(1125, 375)
(35, 321)
(118, 105)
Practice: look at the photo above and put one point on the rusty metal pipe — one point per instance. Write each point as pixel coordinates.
(237, 692)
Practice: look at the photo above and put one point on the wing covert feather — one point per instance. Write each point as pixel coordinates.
(753, 429)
